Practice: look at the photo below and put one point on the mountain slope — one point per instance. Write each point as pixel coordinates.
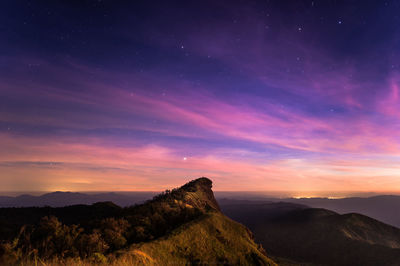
(230, 243)
(319, 236)
(183, 226)
(210, 239)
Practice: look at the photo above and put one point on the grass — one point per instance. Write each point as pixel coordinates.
(211, 239)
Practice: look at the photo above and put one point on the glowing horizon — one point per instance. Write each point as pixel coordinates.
(245, 98)
(229, 194)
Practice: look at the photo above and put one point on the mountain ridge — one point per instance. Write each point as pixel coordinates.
(182, 225)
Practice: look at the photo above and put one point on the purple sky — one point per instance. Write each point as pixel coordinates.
(256, 95)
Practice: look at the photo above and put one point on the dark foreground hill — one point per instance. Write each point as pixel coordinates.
(182, 226)
(317, 236)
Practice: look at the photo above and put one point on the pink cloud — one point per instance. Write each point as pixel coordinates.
(98, 163)
(98, 166)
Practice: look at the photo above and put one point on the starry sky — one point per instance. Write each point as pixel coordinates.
(146, 95)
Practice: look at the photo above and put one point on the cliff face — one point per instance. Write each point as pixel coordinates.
(198, 193)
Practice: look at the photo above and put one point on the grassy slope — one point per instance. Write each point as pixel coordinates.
(212, 239)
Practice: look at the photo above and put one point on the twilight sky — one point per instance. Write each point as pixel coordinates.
(146, 95)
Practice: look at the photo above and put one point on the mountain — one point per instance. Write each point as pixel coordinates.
(317, 236)
(377, 207)
(181, 226)
(213, 239)
(61, 199)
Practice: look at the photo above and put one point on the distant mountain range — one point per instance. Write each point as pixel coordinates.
(313, 236)
(61, 199)
(383, 208)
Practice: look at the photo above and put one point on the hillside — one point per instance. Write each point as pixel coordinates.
(230, 243)
(182, 226)
(318, 236)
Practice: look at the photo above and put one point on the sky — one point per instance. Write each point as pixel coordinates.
(147, 95)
